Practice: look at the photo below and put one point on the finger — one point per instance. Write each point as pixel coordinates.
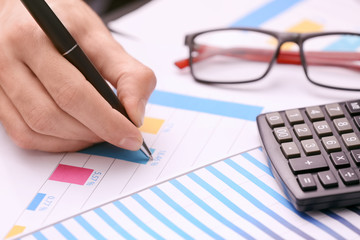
(37, 108)
(133, 80)
(76, 96)
(26, 138)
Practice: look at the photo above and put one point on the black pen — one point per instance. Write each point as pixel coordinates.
(68, 47)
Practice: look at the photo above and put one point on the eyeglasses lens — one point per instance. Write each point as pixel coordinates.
(232, 55)
(333, 60)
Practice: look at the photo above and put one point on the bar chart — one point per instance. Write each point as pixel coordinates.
(182, 132)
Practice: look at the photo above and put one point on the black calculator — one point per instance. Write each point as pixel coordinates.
(314, 153)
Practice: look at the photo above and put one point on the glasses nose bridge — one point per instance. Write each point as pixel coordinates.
(289, 37)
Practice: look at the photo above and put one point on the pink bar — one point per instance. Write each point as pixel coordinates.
(71, 174)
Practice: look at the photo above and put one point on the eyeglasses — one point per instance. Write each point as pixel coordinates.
(243, 55)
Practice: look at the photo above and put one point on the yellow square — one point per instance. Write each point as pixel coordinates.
(152, 125)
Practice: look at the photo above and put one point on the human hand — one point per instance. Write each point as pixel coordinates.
(46, 103)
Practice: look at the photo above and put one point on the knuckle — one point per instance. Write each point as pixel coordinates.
(20, 28)
(14, 38)
(41, 119)
(68, 95)
(150, 76)
(22, 137)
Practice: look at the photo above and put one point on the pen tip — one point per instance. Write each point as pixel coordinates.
(146, 151)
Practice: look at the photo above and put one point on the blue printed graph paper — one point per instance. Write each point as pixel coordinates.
(231, 199)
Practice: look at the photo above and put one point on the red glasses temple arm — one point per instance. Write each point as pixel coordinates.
(342, 59)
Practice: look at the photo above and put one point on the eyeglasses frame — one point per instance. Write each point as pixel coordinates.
(282, 37)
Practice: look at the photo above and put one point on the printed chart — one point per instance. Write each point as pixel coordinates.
(183, 132)
(231, 199)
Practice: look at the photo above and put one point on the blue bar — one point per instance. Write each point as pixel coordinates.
(39, 236)
(230, 205)
(222, 108)
(265, 13)
(112, 223)
(256, 202)
(107, 150)
(136, 220)
(285, 202)
(36, 201)
(66, 233)
(184, 213)
(90, 229)
(160, 217)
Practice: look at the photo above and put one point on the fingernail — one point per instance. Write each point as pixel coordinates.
(130, 143)
(141, 112)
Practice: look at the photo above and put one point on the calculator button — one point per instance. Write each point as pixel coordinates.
(355, 154)
(331, 144)
(353, 107)
(327, 179)
(334, 110)
(308, 164)
(302, 131)
(314, 113)
(357, 121)
(322, 128)
(310, 147)
(339, 159)
(290, 150)
(351, 140)
(306, 182)
(342, 125)
(349, 176)
(294, 116)
(282, 134)
(274, 119)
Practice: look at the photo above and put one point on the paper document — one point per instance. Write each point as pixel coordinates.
(231, 199)
(183, 132)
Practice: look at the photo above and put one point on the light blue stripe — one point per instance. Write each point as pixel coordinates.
(136, 220)
(257, 163)
(349, 43)
(39, 236)
(184, 213)
(90, 229)
(227, 109)
(226, 202)
(256, 202)
(36, 201)
(285, 202)
(261, 184)
(112, 223)
(265, 13)
(342, 220)
(66, 233)
(160, 217)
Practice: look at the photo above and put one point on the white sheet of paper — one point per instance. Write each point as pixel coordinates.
(232, 199)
